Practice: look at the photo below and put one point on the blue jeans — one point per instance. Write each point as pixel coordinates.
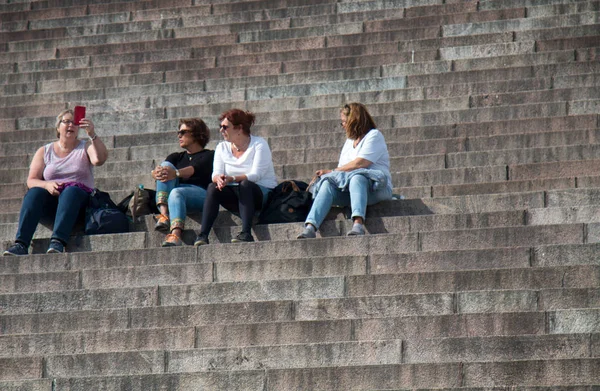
(357, 197)
(179, 198)
(38, 204)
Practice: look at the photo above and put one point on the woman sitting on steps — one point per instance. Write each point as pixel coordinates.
(182, 179)
(361, 178)
(60, 181)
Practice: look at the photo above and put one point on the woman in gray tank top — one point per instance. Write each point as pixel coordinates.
(59, 181)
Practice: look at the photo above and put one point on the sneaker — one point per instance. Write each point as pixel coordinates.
(55, 247)
(243, 237)
(16, 249)
(162, 223)
(201, 240)
(308, 233)
(172, 240)
(357, 230)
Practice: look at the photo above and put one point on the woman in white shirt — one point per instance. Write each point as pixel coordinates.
(242, 177)
(362, 177)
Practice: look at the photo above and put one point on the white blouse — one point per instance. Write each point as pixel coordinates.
(256, 162)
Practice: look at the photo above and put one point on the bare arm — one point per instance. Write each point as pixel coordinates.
(350, 166)
(36, 174)
(354, 165)
(96, 149)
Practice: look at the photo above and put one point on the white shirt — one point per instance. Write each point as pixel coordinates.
(256, 162)
(373, 148)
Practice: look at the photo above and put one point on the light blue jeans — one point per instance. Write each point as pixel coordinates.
(180, 198)
(357, 197)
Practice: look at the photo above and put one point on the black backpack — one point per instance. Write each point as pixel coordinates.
(288, 202)
(103, 217)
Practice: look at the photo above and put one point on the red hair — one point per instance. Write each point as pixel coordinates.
(239, 117)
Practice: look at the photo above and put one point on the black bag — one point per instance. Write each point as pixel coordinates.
(288, 202)
(103, 217)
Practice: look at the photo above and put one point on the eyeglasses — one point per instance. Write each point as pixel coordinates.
(180, 133)
(224, 127)
(67, 122)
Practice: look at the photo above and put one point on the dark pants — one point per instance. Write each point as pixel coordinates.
(38, 204)
(244, 200)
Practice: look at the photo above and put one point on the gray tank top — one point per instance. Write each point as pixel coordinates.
(75, 167)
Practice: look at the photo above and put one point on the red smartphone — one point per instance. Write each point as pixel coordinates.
(78, 114)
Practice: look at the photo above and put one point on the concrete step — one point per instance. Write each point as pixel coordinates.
(554, 95)
(476, 16)
(523, 156)
(283, 333)
(520, 24)
(490, 188)
(231, 269)
(544, 35)
(476, 280)
(561, 9)
(485, 374)
(97, 342)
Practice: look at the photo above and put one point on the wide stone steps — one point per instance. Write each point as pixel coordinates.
(340, 354)
(451, 376)
(484, 277)
(412, 70)
(326, 298)
(209, 274)
(490, 328)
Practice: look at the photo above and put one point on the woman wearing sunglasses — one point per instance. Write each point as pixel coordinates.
(361, 178)
(243, 175)
(182, 179)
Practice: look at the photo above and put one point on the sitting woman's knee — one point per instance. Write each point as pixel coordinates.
(176, 195)
(167, 164)
(211, 189)
(246, 183)
(359, 180)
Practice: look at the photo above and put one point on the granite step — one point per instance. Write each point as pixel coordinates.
(415, 329)
(520, 24)
(485, 374)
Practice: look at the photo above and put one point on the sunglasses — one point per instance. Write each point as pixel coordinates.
(180, 133)
(224, 127)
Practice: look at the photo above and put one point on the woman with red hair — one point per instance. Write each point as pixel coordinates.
(242, 178)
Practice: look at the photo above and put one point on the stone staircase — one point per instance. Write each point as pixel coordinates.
(485, 277)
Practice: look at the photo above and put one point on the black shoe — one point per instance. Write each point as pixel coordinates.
(55, 247)
(243, 237)
(16, 249)
(201, 240)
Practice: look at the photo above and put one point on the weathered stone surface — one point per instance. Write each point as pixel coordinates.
(533, 373)
(288, 356)
(383, 306)
(476, 280)
(242, 380)
(274, 333)
(133, 363)
(502, 348)
(95, 342)
(365, 377)
(222, 313)
(452, 325)
(574, 321)
(77, 300)
(270, 290)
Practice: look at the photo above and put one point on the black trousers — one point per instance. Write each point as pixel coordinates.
(244, 199)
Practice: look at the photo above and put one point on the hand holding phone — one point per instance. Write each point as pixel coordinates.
(78, 114)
